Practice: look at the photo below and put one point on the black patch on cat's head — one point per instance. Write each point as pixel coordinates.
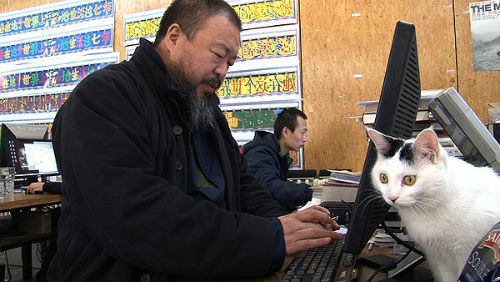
(406, 154)
(396, 144)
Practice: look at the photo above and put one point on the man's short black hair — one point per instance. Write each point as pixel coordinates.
(287, 118)
(191, 16)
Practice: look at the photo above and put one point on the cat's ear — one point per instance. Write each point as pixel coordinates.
(427, 145)
(380, 140)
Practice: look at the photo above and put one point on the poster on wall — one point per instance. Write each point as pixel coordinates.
(46, 50)
(485, 30)
(143, 24)
(265, 13)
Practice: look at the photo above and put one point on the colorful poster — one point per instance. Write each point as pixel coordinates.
(46, 50)
(251, 119)
(33, 104)
(485, 30)
(269, 47)
(58, 45)
(255, 14)
(260, 84)
(54, 15)
(47, 78)
(143, 24)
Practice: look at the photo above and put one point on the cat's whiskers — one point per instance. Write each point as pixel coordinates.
(432, 203)
(423, 208)
(419, 210)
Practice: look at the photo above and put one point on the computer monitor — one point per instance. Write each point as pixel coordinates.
(27, 148)
(396, 114)
(32, 157)
(464, 127)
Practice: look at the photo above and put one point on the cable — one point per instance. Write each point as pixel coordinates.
(401, 242)
(386, 267)
(389, 266)
(393, 264)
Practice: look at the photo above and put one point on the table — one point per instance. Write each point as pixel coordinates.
(13, 239)
(23, 200)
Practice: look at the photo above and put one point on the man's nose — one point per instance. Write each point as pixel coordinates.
(221, 71)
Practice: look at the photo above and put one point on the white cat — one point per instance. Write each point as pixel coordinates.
(446, 204)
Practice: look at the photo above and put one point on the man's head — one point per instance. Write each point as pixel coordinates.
(290, 128)
(198, 40)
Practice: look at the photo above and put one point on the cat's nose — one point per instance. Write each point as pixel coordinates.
(393, 198)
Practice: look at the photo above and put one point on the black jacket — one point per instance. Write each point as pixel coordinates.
(122, 146)
(52, 187)
(270, 168)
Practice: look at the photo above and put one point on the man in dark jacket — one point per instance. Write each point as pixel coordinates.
(268, 157)
(154, 187)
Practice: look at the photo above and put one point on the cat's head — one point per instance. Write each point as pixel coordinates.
(409, 173)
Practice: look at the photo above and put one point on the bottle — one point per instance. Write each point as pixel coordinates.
(483, 263)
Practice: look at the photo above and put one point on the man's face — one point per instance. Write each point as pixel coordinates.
(296, 140)
(200, 66)
(206, 59)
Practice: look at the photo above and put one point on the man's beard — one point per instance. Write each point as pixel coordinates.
(203, 111)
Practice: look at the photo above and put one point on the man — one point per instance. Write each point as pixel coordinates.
(155, 188)
(268, 157)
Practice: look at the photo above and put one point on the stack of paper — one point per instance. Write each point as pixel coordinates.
(382, 239)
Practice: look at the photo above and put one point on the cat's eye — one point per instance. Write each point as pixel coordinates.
(384, 178)
(410, 179)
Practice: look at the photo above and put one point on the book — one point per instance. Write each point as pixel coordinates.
(368, 118)
(343, 178)
(425, 99)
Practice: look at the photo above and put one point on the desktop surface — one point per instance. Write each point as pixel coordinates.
(23, 200)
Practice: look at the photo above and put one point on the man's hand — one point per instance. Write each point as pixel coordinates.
(308, 229)
(35, 187)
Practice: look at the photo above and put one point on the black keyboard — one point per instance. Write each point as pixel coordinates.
(315, 265)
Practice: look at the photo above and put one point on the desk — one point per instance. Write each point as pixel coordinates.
(22, 201)
(13, 239)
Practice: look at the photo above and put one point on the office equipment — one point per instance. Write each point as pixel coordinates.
(301, 173)
(27, 148)
(35, 222)
(396, 115)
(32, 157)
(318, 264)
(466, 130)
(397, 110)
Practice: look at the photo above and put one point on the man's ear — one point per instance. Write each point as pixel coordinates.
(173, 34)
(284, 131)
